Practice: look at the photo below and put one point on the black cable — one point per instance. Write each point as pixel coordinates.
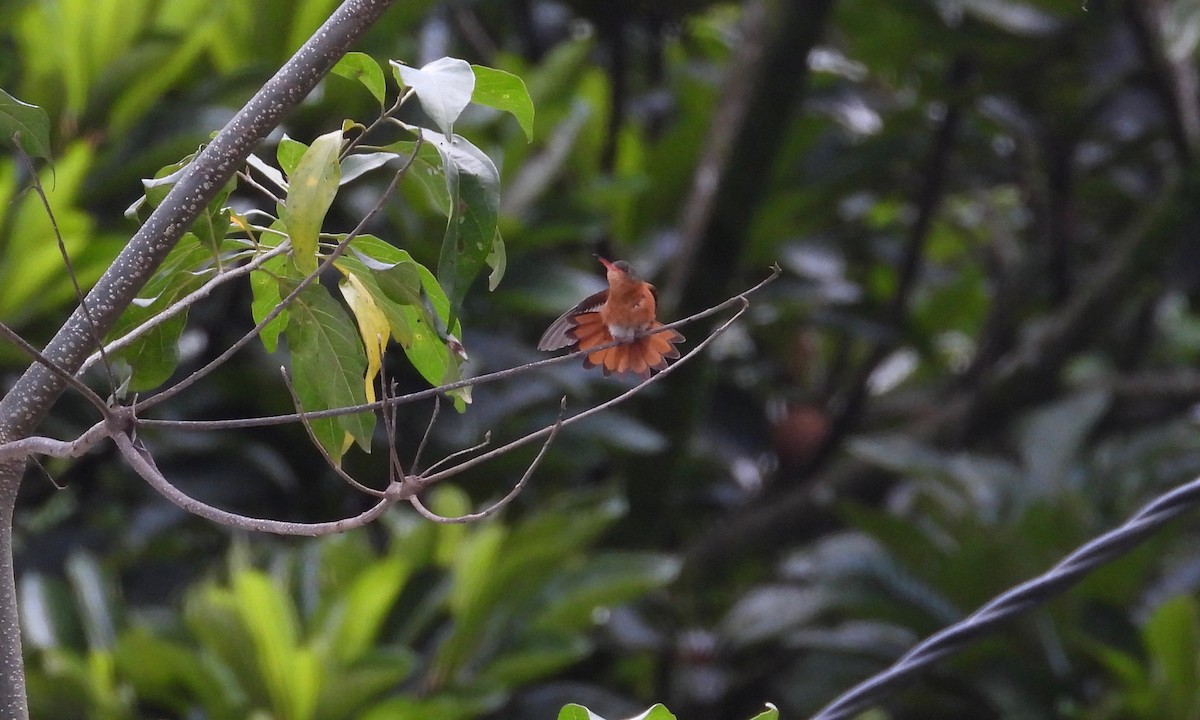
(1096, 552)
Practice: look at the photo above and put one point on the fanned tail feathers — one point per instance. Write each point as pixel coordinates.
(642, 356)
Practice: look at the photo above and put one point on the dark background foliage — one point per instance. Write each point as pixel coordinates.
(980, 354)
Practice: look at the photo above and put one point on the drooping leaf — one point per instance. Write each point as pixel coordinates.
(26, 125)
(372, 326)
(443, 88)
(474, 188)
(417, 309)
(504, 91)
(328, 366)
(363, 68)
(312, 187)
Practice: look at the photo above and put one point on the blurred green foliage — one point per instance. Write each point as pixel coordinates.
(442, 619)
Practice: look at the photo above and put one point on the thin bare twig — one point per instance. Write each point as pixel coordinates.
(36, 184)
(247, 178)
(437, 407)
(37, 356)
(400, 486)
(598, 408)
(264, 421)
(395, 467)
(487, 440)
(428, 514)
(383, 118)
(312, 436)
(185, 302)
(143, 465)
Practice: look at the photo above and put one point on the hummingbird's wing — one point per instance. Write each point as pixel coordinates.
(558, 335)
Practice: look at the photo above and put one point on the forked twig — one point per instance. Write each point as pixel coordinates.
(593, 410)
(143, 465)
(37, 356)
(120, 423)
(487, 440)
(428, 514)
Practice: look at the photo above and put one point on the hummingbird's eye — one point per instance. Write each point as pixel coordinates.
(623, 266)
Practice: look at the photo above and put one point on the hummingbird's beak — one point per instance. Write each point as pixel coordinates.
(607, 265)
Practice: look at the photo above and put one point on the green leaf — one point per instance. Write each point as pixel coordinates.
(156, 188)
(504, 91)
(443, 88)
(311, 190)
(366, 605)
(461, 705)
(577, 712)
(289, 153)
(606, 580)
(212, 616)
(270, 618)
(305, 680)
(264, 287)
(363, 68)
(153, 358)
(26, 125)
(474, 562)
(1172, 639)
(172, 675)
(328, 366)
(355, 166)
(474, 187)
(473, 588)
(347, 690)
(655, 712)
(420, 321)
(541, 657)
(771, 713)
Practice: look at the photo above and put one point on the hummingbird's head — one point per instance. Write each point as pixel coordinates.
(618, 271)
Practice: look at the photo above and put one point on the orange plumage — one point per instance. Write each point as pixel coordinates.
(625, 311)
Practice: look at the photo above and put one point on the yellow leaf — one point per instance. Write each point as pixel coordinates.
(372, 325)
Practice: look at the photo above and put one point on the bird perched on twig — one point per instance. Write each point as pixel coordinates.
(624, 312)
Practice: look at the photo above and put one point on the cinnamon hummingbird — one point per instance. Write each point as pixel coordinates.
(623, 312)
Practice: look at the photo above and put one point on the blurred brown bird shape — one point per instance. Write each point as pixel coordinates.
(625, 312)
